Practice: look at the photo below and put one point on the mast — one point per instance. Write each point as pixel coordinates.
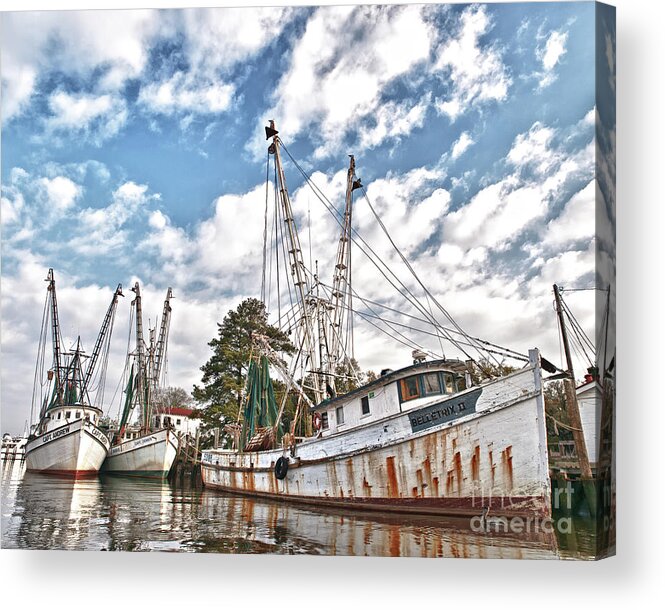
(107, 327)
(298, 274)
(341, 288)
(571, 397)
(55, 330)
(162, 341)
(140, 357)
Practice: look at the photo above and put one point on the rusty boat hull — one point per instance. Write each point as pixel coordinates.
(482, 449)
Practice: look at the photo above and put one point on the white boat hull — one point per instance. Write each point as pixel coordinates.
(75, 449)
(150, 455)
(491, 454)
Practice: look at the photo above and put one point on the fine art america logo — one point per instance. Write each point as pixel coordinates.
(487, 523)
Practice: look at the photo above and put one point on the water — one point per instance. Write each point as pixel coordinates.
(124, 514)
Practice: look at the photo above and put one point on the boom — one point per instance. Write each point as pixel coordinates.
(162, 341)
(140, 357)
(341, 288)
(55, 329)
(298, 272)
(107, 328)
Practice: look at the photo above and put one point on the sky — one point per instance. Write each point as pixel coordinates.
(133, 149)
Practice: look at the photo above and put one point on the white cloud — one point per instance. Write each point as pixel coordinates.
(340, 66)
(502, 211)
(61, 192)
(181, 93)
(461, 145)
(71, 41)
(476, 74)
(97, 117)
(534, 149)
(576, 222)
(104, 231)
(550, 56)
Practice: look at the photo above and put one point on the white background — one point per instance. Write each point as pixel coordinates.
(58, 579)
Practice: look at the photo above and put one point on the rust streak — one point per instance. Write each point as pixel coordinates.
(393, 487)
(475, 463)
(458, 471)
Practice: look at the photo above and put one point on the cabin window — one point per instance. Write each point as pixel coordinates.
(364, 403)
(431, 384)
(410, 388)
(78, 415)
(178, 421)
(324, 420)
(68, 414)
(59, 414)
(450, 383)
(339, 413)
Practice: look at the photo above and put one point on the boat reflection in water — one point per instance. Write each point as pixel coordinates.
(131, 514)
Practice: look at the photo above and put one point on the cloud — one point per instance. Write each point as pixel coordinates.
(61, 192)
(95, 117)
(104, 231)
(35, 44)
(502, 211)
(576, 222)
(550, 56)
(476, 73)
(461, 145)
(181, 93)
(340, 66)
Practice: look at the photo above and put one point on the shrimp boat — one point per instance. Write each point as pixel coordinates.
(67, 439)
(424, 439)
(144, 449)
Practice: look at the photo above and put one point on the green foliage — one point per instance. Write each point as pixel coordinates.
(347, 371)
(555, 406)
(223, 380)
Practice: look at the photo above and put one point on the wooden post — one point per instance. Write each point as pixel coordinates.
(215, 442)
(573, 411)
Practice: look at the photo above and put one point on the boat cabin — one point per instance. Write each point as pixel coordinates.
(392, 393)
(66, 414)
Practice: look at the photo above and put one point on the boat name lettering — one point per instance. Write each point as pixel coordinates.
(442, 412)
(55, 434)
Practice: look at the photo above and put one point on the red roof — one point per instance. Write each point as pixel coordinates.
(184, 411)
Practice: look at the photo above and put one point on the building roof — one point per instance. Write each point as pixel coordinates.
(183, 411)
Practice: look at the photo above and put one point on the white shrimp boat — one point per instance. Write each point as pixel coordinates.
(144, 450)
(421, 439)
(67, 439)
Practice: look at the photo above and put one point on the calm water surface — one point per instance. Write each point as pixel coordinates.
(124, 514)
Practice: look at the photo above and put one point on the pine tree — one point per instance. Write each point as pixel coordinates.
(223, 379)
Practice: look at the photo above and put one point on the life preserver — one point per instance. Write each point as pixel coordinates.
(317, 421)
(281, 467)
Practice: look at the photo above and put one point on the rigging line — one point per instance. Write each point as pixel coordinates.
(265, 232)
(40, 358)
(410, 346)
(502, 349)
(338, 334)
(277, 239)
(413, 300)
(579, 336)
(514, 356)
(387, 323)
(413, 272)
(438, 335)
(575, 323)
(282, 222)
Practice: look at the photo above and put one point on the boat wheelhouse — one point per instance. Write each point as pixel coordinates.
(392, 393)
